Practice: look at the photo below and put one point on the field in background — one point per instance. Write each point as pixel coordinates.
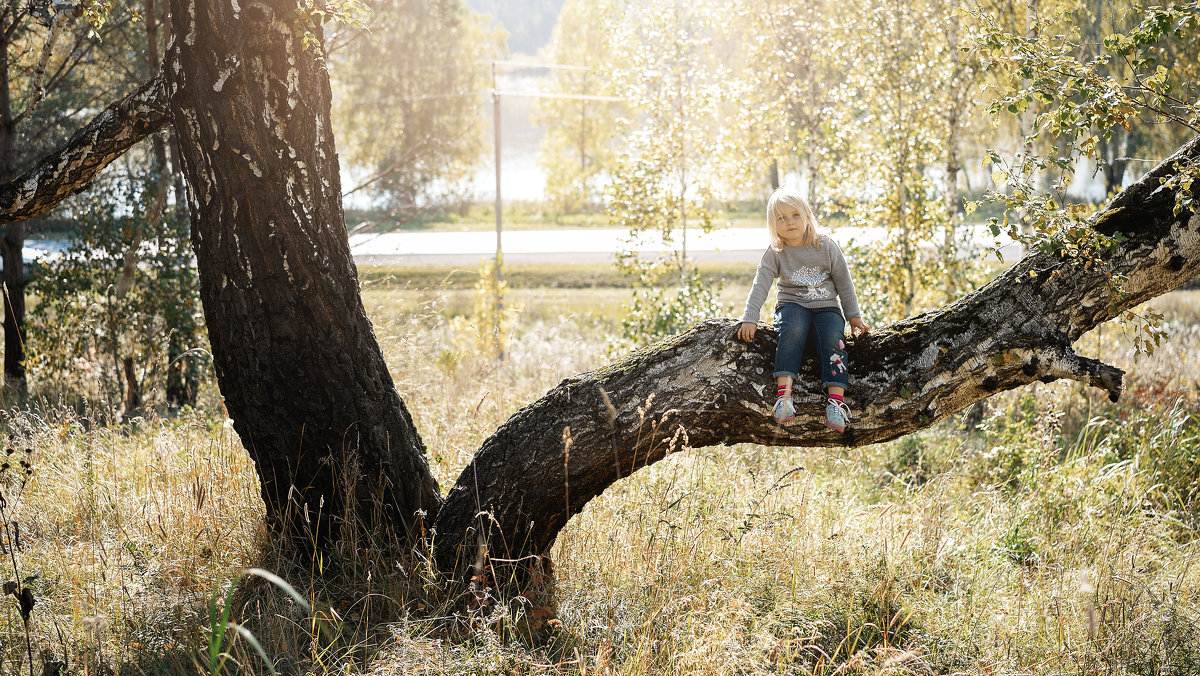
(1048, 532)
(518, 215)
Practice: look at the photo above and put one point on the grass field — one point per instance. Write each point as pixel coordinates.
(1049, 532)
(481, 216)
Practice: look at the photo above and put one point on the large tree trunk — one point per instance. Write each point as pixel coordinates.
(705, 387)
(296, 359)
(295, 356)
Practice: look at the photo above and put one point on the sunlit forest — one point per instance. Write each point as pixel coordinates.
(235, 444)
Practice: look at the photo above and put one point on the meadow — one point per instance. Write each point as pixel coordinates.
(1046, 532)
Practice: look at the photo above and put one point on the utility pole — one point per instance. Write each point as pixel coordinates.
(497, 268)
(496, 93)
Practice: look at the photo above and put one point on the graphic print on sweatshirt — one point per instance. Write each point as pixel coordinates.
(811, 281)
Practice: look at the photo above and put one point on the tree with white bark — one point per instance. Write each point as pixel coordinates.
(315, 406)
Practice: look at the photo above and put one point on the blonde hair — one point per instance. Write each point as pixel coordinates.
(789, 197)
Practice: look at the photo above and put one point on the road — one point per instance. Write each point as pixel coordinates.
(550, 246)
(560, 246)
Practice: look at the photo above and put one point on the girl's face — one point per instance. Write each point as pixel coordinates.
(791, 224)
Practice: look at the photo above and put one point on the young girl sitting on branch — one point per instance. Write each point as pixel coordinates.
(813, 277)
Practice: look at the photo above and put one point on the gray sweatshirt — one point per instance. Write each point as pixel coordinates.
(814, 277)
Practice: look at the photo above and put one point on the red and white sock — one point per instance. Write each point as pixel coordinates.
(783, 391)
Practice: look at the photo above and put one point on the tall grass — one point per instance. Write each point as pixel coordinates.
(1053, 533)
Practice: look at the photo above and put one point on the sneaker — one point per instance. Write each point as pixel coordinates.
(837, 415)
(784, 410)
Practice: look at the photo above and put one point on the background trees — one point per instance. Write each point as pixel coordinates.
(579, 149)
(118, 308)
(788, 59)
(666, 68)
(54, 66)
(412, 84)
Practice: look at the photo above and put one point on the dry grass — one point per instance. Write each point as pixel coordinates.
(1057, 538)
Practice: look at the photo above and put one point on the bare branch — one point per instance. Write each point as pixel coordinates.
(70, 168)
(63, 14)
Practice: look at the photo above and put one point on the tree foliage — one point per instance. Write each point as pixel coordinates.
(120, 294)
(579, 148)
(667, 70)
(410, 90)
(54, 66)
(1134, 90)
(786, 56)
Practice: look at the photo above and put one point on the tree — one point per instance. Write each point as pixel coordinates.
(412, 83)
(790, 79)
(700, 388)
(313, 401)
(1087, 104)
(577, 150)
(249, 102)
(664, 67)
(42, 88)
(905, 105)
(118, 296)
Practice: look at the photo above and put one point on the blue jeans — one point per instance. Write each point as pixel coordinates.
(794, 324)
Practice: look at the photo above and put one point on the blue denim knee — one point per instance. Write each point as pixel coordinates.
(795, 323)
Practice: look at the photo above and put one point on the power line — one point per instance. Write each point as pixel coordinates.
(536, 65)
(545, 95)
(537, 95)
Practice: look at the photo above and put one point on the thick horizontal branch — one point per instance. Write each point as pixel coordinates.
(706, 388)
(72, 167)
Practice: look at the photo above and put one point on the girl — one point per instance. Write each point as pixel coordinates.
(812, 278)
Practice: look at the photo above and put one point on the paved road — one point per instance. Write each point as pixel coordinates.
(564, 246)
(554, 246)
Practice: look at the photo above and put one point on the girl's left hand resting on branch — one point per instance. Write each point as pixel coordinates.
(857, 327)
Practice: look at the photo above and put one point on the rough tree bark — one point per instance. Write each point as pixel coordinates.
(705, 388)
(72, 167)
(295, 356)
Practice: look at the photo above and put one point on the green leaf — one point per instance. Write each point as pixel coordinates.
(1155, 81)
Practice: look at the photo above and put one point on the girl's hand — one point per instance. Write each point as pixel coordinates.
(746, 331)
(858, 327)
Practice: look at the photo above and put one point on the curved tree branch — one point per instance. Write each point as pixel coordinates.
(70, 168)
(706, 388)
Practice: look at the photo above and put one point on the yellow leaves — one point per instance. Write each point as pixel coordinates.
(1088, 145)
(1000, 177)
(1156, 81)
